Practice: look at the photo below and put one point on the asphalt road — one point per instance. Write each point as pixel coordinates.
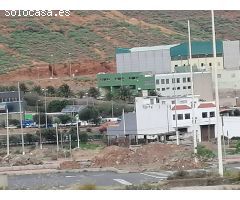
(64, 180)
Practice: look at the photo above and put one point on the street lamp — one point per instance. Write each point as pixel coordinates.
(78, 141)
(39, 125)
(51, 66)
(8, 152)
(21, 120)
(70, 66)
(87, 98)
(45, 106)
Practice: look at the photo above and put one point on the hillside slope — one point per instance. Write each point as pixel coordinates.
(89, 38)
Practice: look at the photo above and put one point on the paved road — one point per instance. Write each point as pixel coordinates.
(63, 180)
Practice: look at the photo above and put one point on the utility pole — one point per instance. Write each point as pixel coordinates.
(39, 126)
(21, 120)
(57, 137)
(112, 107)
(177, 133)
(78, 140)
(220, 161)
(8, 152)
(45, 106)
(192, 88)
(70, 145)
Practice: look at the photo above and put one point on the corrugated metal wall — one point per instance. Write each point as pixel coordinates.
(157, 61)
(231, 50)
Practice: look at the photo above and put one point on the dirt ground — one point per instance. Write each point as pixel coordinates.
(153, 156)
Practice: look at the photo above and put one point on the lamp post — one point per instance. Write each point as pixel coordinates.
(39, 126)
(45, 106)
(236, 98)
(52, 66)
(8, 152)
(77, 120)
(220, 161)
(70, 66)
(21, 120)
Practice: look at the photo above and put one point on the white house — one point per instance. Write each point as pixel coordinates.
(155, 116)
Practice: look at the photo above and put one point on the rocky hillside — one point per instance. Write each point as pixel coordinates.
(92, 36)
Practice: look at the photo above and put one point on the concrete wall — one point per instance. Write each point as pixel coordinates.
(156, 61)
(202, 85)
(207, 63)
(231, 54)
(231, 126)
(152, 117)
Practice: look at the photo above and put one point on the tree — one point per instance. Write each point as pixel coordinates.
(125, 92)
(32, 99)
(37, 89)
(236, 112)
(93, 92)
(64, 90)
(80, 94)
(51, 91)
(56, 105)
(42, 118)
(23, 87)
(90, 114)
(109, 96)
(65, 118)
(152, 93)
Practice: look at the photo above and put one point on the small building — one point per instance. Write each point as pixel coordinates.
(136, 81)
(73, 109)
(180, 84)
(156, 116)
(10, 100)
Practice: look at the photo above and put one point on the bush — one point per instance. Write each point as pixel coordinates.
(56, 105)
(83, 137)
(32, 99)
(204, 153)
(93, 92)
(65, 118)
(237, 147)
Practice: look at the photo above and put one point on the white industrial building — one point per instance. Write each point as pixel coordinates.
(155, 116)
(180, 84)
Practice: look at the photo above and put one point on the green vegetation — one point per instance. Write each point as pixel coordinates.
(204, 153)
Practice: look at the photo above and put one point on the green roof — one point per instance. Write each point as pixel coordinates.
(122, 50)
(198, 48)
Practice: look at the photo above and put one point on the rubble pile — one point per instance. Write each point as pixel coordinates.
(162, 156)
(19, 160)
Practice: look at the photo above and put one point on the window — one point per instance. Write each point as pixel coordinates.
(187, 116)
(167, 81)
(176, 65)
(163, 102)
(157, 81)
(178, 88)
(167, 88)
(219, 76)
(158, 89)
(210, 64)
(189, 87)
(173, 117)
(178, 80)
(157, 100)
(202, 64)
(188, 79)
(184, 80)
(173, 80)
(151, 101)
(163, 89)
(180, 116)
(173, 102)
(212, 114)
(204, 114)
(162, 81)
(173, 88)
(184, 87)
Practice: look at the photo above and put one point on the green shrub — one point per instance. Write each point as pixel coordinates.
(237, 147)
(204, 153)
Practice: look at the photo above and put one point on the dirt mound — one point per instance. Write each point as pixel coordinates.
(13, 160)
(153, 155)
